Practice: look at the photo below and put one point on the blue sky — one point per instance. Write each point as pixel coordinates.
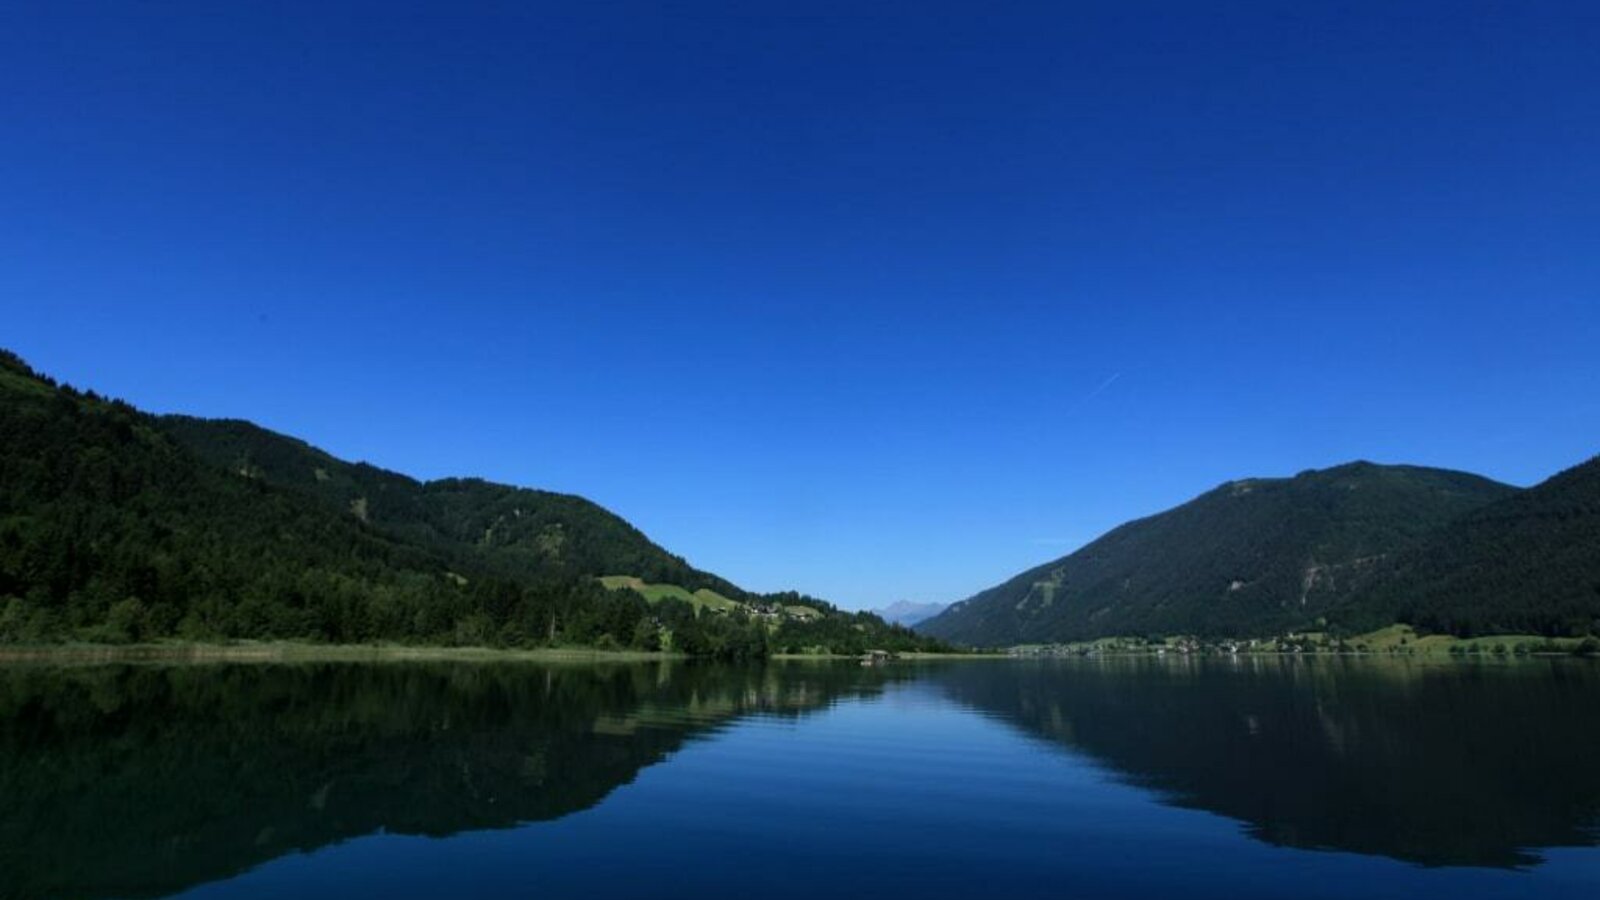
(876, 301)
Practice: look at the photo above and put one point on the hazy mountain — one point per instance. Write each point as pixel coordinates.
(907, 612)
(1252, 556)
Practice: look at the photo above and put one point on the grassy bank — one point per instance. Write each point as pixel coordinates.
(1404, 639)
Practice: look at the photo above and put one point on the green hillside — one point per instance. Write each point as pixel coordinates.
(1251, 557)
(1528, 564)
(111, 530)
(520, 534)
(508, 531)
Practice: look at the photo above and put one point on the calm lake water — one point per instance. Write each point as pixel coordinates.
(1104, 778)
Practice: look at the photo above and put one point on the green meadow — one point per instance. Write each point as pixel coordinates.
(655, 593)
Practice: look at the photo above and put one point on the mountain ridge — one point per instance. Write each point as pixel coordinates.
(1252, 555)
(517, 531)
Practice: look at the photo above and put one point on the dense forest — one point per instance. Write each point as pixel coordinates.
(1528, 564)
(508, 531)
(118, 526)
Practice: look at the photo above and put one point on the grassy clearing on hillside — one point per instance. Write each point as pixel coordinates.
(655, 593)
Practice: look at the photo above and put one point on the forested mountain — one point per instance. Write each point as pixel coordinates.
(1527, 564)
(116, 525)
(110, 530)
(1250, 557)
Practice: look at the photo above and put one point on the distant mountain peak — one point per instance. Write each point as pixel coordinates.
(909, 612)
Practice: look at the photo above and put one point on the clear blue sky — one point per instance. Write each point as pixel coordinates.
(873, 300)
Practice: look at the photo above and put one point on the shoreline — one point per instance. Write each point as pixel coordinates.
(1309, 655)
(296, 651)
(300, 652)
(291, 651)
(912, 656)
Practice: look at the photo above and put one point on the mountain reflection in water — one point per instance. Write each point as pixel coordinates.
(142, 780)
(147, 780)
(1434, 762)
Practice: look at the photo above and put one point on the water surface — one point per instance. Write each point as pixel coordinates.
(1110, 778)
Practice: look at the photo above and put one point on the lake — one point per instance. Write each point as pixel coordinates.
(1131, 777)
